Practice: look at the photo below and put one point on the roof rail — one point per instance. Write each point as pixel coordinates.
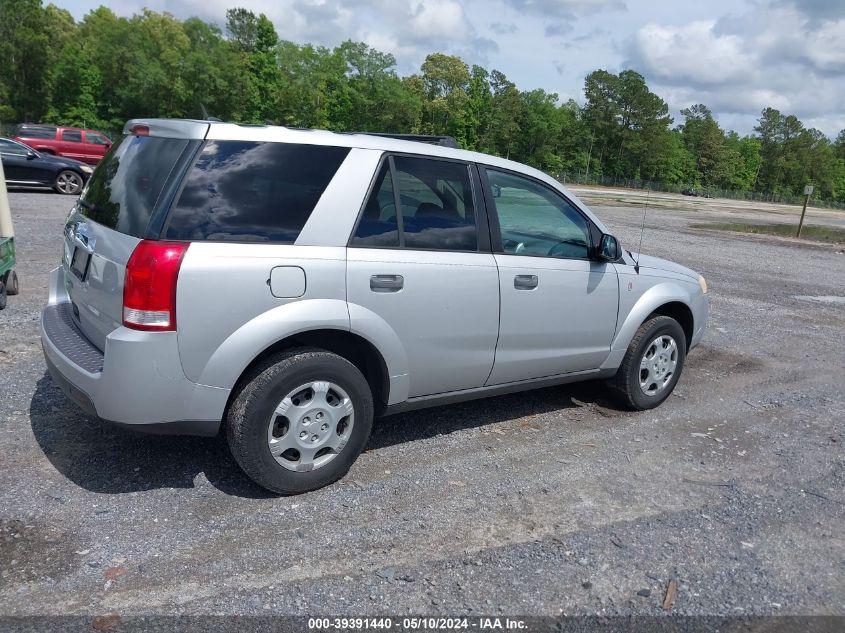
(445, 141)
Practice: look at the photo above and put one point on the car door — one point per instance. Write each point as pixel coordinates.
(22, 165)
(96, 146)
(419, 260)
(72, 145)
(559, 307)
(13, 156)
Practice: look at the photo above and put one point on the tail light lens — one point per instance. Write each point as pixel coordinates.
(149, 290)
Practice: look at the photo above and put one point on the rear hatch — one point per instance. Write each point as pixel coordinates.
(122, 204)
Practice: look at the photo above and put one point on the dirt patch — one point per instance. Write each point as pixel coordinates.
(29, 550)
(823, 234)
(707, 358)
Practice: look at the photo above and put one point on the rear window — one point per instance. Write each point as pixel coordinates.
(36, 132)
(252, 192)
(123, 191)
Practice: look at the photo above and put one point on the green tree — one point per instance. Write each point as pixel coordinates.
(24, 59)
(445, 80)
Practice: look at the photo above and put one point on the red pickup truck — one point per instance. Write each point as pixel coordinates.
(71, 142)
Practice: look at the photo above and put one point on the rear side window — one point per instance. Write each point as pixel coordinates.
(437, 207)
(72, 136)
(36, 132)
(437, 210)
(125, 187)
(378, 225)
(252, 192)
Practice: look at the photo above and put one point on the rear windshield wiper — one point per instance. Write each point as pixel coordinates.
(89, 206)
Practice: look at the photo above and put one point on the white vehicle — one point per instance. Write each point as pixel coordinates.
(293, 284)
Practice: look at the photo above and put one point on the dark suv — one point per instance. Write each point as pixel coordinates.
(89, 146)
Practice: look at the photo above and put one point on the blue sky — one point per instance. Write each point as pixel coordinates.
(736, 56)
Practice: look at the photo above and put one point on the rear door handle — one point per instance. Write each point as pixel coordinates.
(525, 282)
(387, 283)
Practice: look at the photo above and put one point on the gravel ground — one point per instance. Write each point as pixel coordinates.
(542, 503)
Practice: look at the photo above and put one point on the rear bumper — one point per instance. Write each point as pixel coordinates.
(137, 382)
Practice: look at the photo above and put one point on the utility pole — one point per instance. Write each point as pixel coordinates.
(808, 191)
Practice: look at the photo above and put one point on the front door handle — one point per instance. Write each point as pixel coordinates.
(387, 283)
(525, 282)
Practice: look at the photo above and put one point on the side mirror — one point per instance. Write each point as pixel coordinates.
(608, 250)
(30, 155)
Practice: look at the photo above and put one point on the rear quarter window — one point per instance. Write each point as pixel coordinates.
(124, 189)
(36, 132)
(243, 191)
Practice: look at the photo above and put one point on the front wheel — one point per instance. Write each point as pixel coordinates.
(68, 182)
(652, 365)
(300, 420)
(11, 281)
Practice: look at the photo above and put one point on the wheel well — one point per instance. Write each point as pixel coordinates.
(356, 349)
(682, 314)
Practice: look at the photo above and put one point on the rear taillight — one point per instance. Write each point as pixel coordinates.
(140, 130)
(149, 291)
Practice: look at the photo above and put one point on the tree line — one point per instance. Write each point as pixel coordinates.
(106, 69)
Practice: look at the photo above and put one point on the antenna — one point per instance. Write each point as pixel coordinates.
(642, 230)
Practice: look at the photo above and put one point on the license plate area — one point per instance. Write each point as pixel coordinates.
(79, 263)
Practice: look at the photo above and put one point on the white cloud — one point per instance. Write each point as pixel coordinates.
(568, 9)
(736, 56)
(692, 53)
(827, 50)
(770, 56)
(439, 18)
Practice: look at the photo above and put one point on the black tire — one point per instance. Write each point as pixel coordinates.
(251, 412)
(625, 385)
(11, 281)
(2, 296)
(68, 182)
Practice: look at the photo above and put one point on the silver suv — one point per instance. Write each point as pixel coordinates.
(293, 284)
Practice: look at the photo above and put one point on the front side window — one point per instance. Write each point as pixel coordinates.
(72, 136)
(244, 191)
(534, 220)
(436, 212)
(96, 139)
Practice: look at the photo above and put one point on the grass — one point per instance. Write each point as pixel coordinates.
(826, 234)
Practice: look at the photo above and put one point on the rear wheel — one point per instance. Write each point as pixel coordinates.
(11, 281)
(68, 182)
(652, 365)
(300, 421)
(2, 296)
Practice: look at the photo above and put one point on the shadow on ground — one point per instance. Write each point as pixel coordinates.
(106, 459)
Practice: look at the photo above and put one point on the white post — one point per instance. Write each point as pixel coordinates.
(6, 229)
